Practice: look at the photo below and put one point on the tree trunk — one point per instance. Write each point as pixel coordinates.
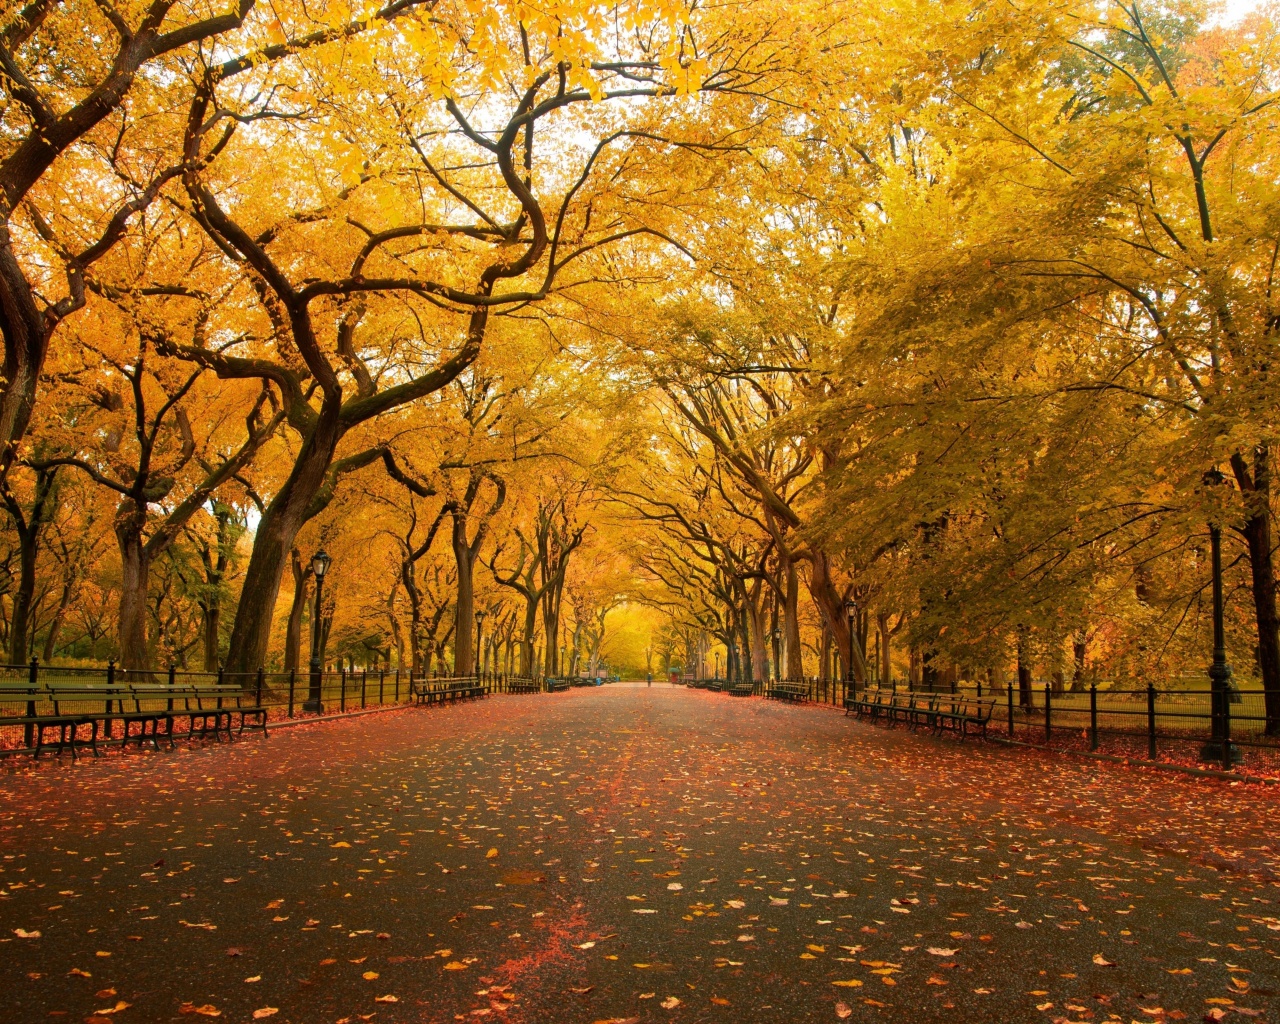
(26, 342)
(464, 611)
(1079, 650)
(59, 618)
(277, 530)
(212, 621)
(530, 628)
(886, 649)
(24, 596)
(831, 608)
(293, 635)
(135, 571)
(793, 653)
(1257, 535)
(1024, 675)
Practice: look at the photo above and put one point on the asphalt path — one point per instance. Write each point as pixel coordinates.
(630, 854)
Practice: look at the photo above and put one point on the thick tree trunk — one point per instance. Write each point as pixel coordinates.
(530, 629)
(464, 611)
(135, 572)
(886, 649)
(26, 341)
(1024, 675)
(831, 608)
(59, 618)
(1257, 535)
(24, 596)
(212, 624)
(277, 530)
(397, 634)
(293, 634)
(1079, 649)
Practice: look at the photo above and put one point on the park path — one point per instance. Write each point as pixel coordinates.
(630, 854)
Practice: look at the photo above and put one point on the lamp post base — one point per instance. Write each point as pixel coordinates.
(1212, 751)
(313, 706)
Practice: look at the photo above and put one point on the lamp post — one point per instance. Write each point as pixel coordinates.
(1219, 747)
(479, 622)
(319, 565)
(717, 665)
(777, 654)
(851, 614)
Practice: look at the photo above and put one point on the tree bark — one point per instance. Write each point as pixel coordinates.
(135, 573)
(1256, 488)
(293, 633)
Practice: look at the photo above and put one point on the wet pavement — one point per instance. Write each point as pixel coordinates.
(630, 854)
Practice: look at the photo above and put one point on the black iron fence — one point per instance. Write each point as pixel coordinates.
(34, 691)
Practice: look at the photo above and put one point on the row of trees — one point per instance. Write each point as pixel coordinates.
(943, 308)
(1012, 300)
(248, 257)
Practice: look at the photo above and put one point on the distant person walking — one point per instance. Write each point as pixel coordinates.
(648, 679)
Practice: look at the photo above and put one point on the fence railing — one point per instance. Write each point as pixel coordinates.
(1139, 722)
(31, 690)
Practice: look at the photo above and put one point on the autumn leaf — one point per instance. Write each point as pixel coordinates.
(265, 1011)
(207, 1010)
(670, 1003)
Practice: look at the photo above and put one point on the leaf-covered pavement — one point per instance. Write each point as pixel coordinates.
(626, 854)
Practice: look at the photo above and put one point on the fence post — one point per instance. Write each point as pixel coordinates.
(1151, 721)
(382, 675)
(1093, 716)
(29, 730)
(978, 681)
(397, 684)
(1048, 713)
(342, 693)
(172, 683)
(220, 678)
(364, 686)
(292, 675)
(1008, 689)
(257, 701)
(111, 682)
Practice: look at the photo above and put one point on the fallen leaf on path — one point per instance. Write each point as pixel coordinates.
(843, 1011)
(851, 983)
(265, 1011)
(1102, 961)
(22, 933)
(386, 999)
(207, 1010)
(670, 1003)
(939, 951)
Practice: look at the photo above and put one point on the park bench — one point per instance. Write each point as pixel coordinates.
(787, 691)
(427, 691)
(523, 686)
(71, 712)
(961, 714)
(741, 690)
(557, 685)
(867, 703)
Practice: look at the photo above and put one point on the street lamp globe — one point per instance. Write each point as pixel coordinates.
(320, 563)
